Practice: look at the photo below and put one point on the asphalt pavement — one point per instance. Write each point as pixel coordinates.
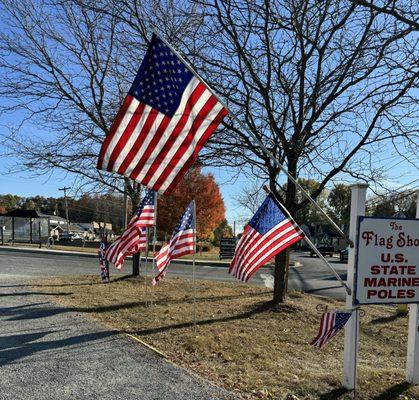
(48, 352)
(309, 274)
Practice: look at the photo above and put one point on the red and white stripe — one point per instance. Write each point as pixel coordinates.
(131, 242)
(154, 149)
(255, 250)
(146, 218)
(180, 245)
(326, 330)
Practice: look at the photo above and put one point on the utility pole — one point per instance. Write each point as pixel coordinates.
(66, 206)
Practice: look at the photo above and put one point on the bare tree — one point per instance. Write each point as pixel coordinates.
(404, 11)
(65, 72)
(326, 86)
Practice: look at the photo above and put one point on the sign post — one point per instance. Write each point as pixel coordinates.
(412, 364)
(358, 196)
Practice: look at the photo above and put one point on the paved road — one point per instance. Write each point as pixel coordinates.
(47, 352)
(311, 275)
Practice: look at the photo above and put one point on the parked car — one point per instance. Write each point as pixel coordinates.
(70, 237)
(325, 249)
(343, 256)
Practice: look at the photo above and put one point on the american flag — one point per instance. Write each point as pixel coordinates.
(270, 231)
(181, 243)
(134, 237)
(103, 263)
(331, 323)
(165, 120)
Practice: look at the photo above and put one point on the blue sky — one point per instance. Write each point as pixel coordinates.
(399, 173)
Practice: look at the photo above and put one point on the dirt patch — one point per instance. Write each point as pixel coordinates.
(243, 342)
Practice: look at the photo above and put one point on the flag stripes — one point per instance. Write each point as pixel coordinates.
(148, 142)
(131, 242)
(181, 243)
(330, 324)
(179, 246)
(263, 250)
(269, 232)
(147, 216)
(133, 239)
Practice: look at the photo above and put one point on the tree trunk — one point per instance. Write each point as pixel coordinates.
(281, 276)
(136, 264)
(282, 259)
(134, 193)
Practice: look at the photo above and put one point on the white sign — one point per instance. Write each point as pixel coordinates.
(387, 263)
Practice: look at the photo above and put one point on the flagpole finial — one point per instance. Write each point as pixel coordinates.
(266, 189)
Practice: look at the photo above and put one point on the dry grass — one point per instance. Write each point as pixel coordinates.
(241, 341)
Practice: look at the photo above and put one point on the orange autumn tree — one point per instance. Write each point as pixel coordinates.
(210, 207)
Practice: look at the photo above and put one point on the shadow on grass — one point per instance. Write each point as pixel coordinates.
(334, 394)
(394, 391)
(261, 308)
(35, 294)
(99, 282)
(390, 318)
(27, 312)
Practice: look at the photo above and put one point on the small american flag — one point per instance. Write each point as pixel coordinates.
(165, 120)
(331, 323)
(103, 263)
(181, 243)
(268, 233)
(134, 237)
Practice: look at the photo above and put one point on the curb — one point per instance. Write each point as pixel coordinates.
(149, 346)
(211, 263)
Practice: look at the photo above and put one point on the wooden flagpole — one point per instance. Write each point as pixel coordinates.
(260, 144)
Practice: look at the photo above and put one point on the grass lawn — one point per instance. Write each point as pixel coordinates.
(243, 343)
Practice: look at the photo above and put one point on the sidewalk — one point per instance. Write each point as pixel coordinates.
(47, 352)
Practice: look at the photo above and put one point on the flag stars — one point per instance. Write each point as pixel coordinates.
(162, 79)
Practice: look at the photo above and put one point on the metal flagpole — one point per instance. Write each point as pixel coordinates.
(193, 265)
(262, 146)
(145, 267)
(311, 244)
(154, 237)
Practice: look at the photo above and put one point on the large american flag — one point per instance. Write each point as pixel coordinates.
(270, 231)
(331, 323)
(163, 123)
(181, 243)
(134, 238)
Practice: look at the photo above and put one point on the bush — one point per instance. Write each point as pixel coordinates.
(203, 246)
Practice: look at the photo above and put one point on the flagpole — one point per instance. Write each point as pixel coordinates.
(193, 265)
(313, 247)
(259, 143)
(154, 234)
(145, 267)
